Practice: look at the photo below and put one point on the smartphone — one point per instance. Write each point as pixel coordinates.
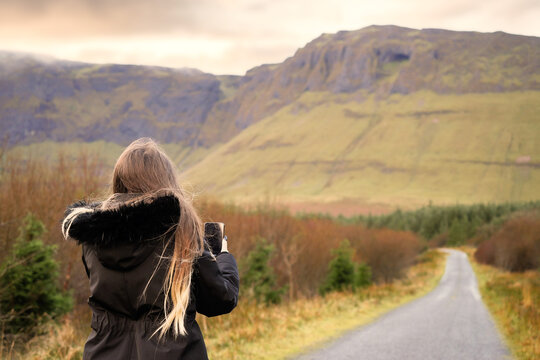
(213, 234)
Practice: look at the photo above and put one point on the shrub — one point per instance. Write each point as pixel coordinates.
(343, 272)
(28, 282)
(439, 240)
(389, 253)
(515, 246)
(259, 277)
(457, 234)
(341, 269)
(363, 275)
(483, 233)
(485, 253)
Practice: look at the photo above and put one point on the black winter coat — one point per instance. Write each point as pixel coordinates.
(124, 252)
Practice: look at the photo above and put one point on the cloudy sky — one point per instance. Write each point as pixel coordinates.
(229, 36)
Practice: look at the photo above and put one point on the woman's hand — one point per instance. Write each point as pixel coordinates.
(224, 244)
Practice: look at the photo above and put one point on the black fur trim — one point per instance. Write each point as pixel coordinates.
(142, 221)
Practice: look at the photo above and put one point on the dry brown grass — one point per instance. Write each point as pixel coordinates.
(63, 340)
(514, 301)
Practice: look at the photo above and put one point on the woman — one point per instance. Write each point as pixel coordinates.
(149, 267)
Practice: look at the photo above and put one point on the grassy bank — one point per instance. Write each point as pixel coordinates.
(63, 340)
(253, 331)
(514, 301)
(256, 332)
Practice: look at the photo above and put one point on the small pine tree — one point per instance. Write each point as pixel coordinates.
(28, 282)
(474, 224)
(341, 270)
(259, 277)
(363, 275)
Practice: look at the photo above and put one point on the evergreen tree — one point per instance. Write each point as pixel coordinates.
(457, 233)
(430, 221)
(28, 282)
(341, 270)
(259, 277)
(475, 223)
(363, 275)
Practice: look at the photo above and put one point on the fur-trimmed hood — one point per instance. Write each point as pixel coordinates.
(121, 219)
(124, 228)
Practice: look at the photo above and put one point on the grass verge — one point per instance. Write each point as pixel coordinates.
(514, 302)
(254, 331)
(63, 340)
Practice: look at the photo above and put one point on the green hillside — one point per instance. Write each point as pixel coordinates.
(355, 121)
(403, 150)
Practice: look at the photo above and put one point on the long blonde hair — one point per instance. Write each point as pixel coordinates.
(143, 168)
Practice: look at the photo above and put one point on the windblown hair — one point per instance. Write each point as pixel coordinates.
(144, 169)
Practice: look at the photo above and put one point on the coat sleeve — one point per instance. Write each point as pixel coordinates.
(217, 284)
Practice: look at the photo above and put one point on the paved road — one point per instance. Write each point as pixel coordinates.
(451, 322)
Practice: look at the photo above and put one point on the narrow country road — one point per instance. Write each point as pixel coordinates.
(451, 322)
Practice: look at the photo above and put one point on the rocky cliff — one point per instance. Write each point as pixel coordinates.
(389, 59)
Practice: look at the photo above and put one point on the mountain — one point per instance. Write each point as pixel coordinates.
(69, 101)
(65, 101)
(387, 60)
(378, 117)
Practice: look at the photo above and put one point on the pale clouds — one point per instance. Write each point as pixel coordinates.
(229, 36)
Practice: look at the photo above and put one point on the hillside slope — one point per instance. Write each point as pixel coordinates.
(404, 150)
